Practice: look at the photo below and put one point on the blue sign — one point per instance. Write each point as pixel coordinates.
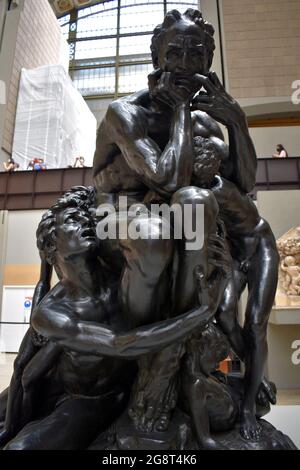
(27, 304)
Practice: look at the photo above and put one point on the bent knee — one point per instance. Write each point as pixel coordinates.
(257, 329)
(149, 242)
(196, 196)
(192, 194)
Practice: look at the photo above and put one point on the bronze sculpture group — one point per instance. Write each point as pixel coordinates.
(123, 353)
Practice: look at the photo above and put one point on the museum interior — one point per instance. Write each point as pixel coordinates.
(62, 64)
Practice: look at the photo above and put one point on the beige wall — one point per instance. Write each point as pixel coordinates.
(3, 8)
(19, 256)
(262, 41)
(281, 209)
(31, 38)
(21, 237)
(281, 369)
(3, 241)
(266, 139)
(210, 14)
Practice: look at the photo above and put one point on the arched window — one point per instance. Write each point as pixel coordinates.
(110, 46)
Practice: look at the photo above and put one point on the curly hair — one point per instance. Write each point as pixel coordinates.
(173, 17)
(209, 154)
(213, 339)
(78, 197)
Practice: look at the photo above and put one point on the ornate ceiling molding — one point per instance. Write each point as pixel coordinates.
(61, 7)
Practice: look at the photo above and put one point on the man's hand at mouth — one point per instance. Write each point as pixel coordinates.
(215, 101)
(173, 89)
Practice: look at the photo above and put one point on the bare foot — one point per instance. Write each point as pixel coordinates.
(163, 422)
(250, 428)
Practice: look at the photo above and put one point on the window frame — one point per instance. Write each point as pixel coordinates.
(118, 61)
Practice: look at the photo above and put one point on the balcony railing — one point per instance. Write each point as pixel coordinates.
(24, 190)
(277, 174)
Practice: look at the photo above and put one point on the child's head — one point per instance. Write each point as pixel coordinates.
(213, 348)
(209, 154)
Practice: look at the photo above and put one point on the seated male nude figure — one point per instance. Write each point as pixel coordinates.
(144, 149)
(95, 347)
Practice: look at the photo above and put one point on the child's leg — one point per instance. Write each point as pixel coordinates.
(227, 313)
(211, 408)
(262, 283)
(222, 408)
(195, 396)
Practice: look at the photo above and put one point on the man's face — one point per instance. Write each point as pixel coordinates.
(75, 233)
(182, 51)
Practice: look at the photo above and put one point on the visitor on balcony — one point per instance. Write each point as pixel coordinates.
(79, 162)
(37, 164)
(10, 166)
(280, 152)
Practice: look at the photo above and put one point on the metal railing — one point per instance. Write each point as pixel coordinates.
(277, 174)
(27, 190)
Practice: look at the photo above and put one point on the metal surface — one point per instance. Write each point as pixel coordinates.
(130, 339)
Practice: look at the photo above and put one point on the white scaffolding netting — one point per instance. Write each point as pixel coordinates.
(53, 122)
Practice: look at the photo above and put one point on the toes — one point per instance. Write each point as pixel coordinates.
(244, 433)
(150, 412)
(257, 432)
(252, 433)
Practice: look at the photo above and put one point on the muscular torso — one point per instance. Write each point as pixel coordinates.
(111, 172)
(85, 374)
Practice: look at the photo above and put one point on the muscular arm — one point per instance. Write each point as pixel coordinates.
(164, 171)
(242, 164)
(61, 326)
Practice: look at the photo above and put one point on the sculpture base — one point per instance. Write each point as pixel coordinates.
(271, 439)
(124, 436)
